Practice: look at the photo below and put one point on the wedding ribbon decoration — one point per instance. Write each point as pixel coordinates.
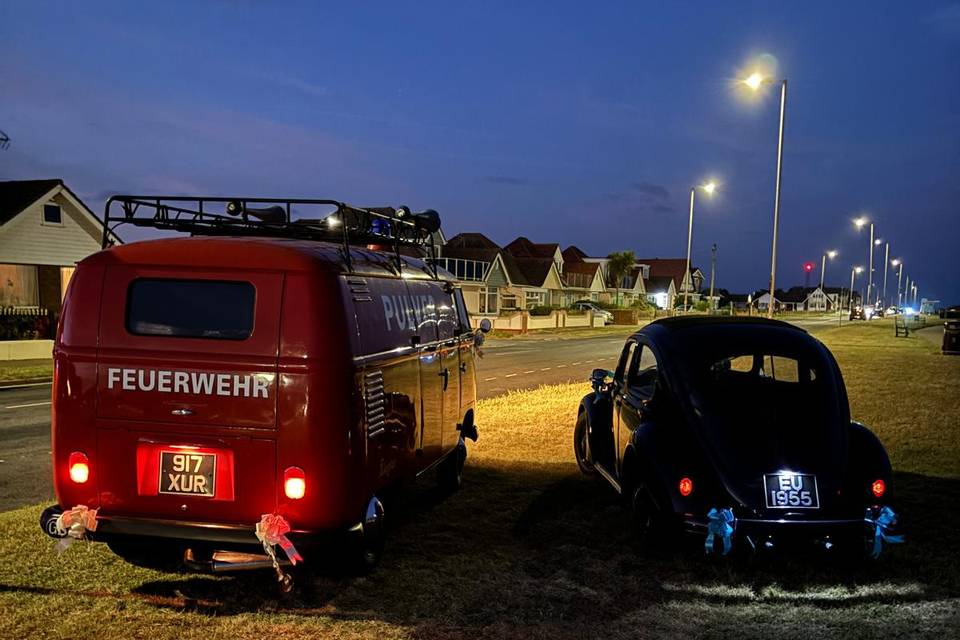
(720, 524)
(73, 524)
(881, 527)
(271, 531)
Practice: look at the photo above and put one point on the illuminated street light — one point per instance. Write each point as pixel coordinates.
(897, 262)
(754, 81)
(853, 279)
(709, 188)
(886, 269)
(859, 222)
(823, 265)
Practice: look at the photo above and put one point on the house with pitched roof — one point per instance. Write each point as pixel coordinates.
(690, 281)
(45, 229)
(540, 266)
(480, 266)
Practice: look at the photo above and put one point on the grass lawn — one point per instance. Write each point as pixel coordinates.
(26, 370)
(531, 549)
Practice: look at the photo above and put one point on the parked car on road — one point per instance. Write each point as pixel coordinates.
(589, 305)
(739, 429)
(264, 375)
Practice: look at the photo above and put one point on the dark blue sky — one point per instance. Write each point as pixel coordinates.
(556, 121)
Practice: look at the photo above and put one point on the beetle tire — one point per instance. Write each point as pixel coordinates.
(580, 434)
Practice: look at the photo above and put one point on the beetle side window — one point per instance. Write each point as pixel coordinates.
(642, 379)
(625, 358)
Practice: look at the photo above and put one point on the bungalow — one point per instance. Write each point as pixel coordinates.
(480, 266)
(676, 269)
(45, 229)
(661, 291)
(540, 267)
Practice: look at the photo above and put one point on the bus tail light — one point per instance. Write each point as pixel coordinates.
(79, 467)
(878, 488)
(294, 483)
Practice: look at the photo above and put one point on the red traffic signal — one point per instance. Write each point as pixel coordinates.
(808, 266)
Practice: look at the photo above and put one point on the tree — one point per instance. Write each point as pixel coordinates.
(619, 266)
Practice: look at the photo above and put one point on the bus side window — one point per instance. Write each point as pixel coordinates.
(462, 316)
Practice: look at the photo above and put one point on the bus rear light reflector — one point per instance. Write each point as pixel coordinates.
(878, 488)
(79, 467)
(686, 487)
(294, 483)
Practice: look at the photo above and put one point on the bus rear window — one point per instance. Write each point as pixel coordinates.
(211, 309)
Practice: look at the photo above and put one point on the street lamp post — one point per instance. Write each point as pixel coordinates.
(754, 81)
(867, 299)
(886, 268)
(823, 268)
(853, 278)
(713, 273)
(897, 262)
(709, 187)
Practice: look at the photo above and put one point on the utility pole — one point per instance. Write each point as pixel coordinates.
(713, 272)
(886, 267)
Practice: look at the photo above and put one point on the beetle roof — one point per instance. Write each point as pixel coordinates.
(746, 322)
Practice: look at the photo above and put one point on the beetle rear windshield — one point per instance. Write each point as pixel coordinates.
(212, 309)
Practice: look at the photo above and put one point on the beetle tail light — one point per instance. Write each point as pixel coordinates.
(78, 467)
(878, 488)
(686, 487)
(294, 483)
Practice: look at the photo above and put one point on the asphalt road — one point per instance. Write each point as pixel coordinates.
(24, 446)
(508, 364)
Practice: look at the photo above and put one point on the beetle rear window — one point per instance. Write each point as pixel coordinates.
(212, 309)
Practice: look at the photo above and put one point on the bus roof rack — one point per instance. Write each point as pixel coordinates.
(348, 225)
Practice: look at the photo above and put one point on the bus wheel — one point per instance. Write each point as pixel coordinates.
(450, 469)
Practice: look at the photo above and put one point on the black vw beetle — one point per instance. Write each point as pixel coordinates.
(739, 429)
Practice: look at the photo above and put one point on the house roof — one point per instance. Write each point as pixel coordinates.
(672, 268)
(573, 253)
(17, 195)
(655, 283)
(589, 269)
(523, 248)
(531, 271)
(471, 246)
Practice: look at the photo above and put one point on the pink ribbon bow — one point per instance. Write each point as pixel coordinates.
(73, 524)
(272, 530)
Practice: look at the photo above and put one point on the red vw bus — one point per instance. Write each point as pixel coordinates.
(265, 365)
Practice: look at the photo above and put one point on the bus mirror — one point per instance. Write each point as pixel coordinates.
(485, 325)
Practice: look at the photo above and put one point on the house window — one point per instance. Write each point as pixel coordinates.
(509, 301)
(535, 298)
(489, 297)
(52, 214)
(18, 286)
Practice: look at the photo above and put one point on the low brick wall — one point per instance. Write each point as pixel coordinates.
(26, 349)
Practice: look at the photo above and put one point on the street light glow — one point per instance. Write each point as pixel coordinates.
(754, 80)
(710, 187)
(858, 269)
(878, 242)
(832, 254)
(862, 220)
(895, 262)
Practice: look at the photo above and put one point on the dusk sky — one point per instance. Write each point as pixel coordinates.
(579, 123)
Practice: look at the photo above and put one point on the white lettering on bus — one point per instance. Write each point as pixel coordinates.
(249, 385)
(408, 312)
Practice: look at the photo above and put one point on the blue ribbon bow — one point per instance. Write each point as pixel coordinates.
(721, 524)
(881, 526)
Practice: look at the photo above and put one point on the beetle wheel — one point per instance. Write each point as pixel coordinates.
(580, 445)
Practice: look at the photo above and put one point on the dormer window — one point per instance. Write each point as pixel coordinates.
(52, 214)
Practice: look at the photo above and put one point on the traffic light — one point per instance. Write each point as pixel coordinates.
(808, 266)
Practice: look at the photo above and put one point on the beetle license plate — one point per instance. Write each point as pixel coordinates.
(791, 491)
(185, 473)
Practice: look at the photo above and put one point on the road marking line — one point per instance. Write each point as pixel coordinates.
(24, 406)
(531, 371)
(26, 384)
(509, 375)
(546, 369)
(489, 379)
(561, 366)
(575, 363)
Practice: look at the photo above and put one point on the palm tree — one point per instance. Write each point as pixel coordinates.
(619, 265)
